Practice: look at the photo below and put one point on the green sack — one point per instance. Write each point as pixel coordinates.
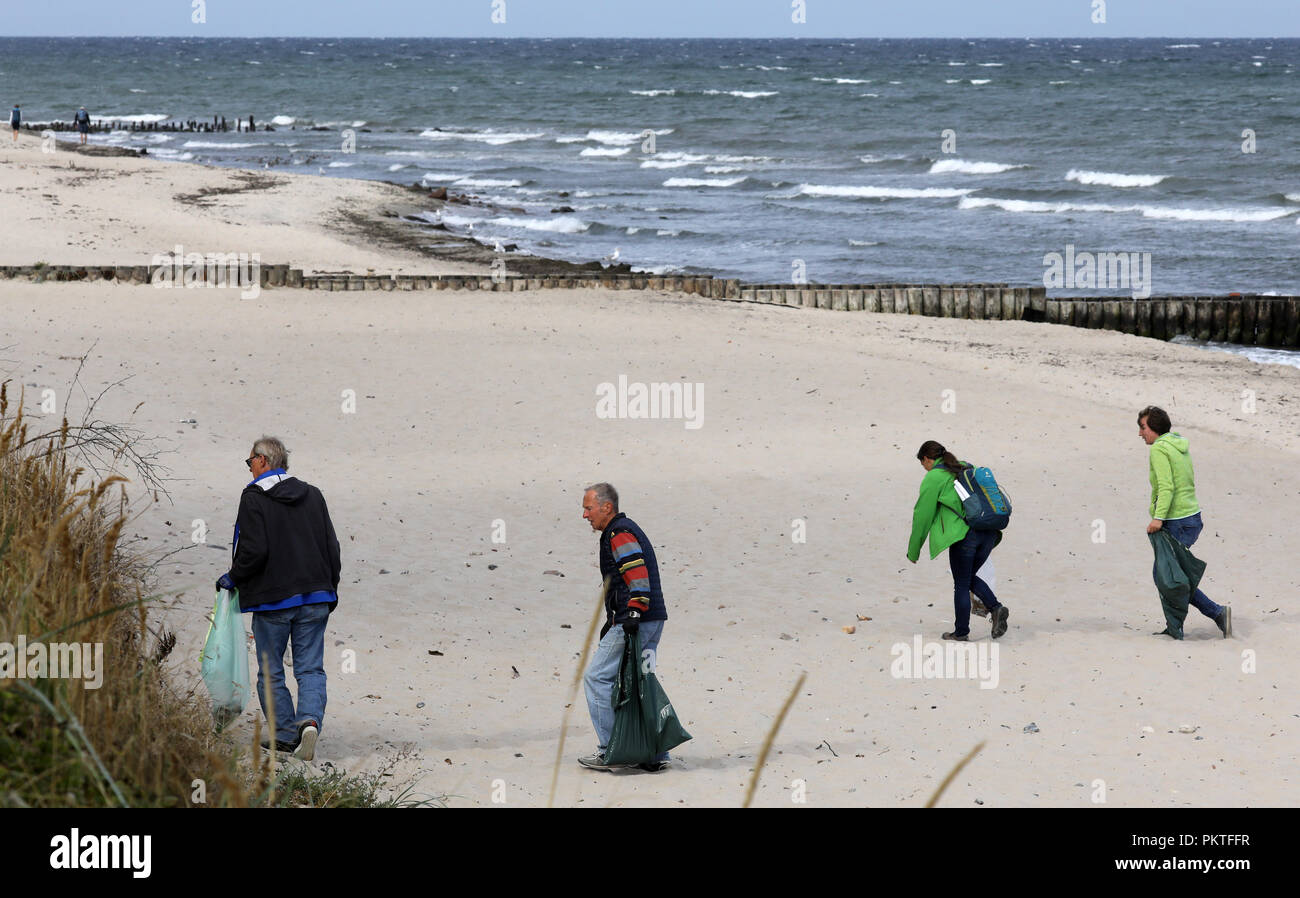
(224, 659)
(1177, 572)
(645, 724)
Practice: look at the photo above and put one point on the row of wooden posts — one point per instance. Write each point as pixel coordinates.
(97, 125)
(1250, 319)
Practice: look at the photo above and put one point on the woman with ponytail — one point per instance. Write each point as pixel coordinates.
(939, 514)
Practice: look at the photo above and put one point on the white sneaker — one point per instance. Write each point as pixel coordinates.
(307, 735)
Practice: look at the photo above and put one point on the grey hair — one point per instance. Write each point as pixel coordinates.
(604, 493)
(273, 451)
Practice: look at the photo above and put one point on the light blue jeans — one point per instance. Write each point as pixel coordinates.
(272, 631)
(602, 676)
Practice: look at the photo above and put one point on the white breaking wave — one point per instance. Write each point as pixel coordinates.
(442, 176)
(991, 65)
(1158, 212)
(621, 138)
(144, 118)
(669, 92)
(971, 168)
(486, 182)
(722, 169)
(845, 80)
(605, 151)
(703, 182)
(1113, 179)
(981, 80)
(283, 120)
(886, 193)
(1060, 82)
(1293, 197)
(214, 145)
(747, 94)
(493, 138)
(666, 163)
(1182, 46)
(396, 166)
(341, 165)
(632, 230)
(563, 225)
(666, 233)
(864, 243)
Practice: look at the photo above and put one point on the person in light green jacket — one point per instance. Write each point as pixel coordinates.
(1173, 506)
(939, 515)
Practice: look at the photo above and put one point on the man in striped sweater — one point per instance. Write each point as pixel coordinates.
(634, 604)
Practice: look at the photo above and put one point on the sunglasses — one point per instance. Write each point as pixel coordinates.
(249, 461)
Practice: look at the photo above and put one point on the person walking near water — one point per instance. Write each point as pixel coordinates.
(15, 120)
(285, 564)
(634, 606)
(82, 120)
(939, 514)
(1173, 507)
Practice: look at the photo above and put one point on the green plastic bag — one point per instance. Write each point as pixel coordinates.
(1178, 572)
(224, 659)
(645, 724)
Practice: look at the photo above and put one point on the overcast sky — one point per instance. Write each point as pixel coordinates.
(653, 18)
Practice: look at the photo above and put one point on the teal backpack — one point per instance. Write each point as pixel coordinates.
(985, 504)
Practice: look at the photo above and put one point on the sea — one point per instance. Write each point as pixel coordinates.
(853, 160)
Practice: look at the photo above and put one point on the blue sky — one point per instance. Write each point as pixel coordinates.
(654, 18)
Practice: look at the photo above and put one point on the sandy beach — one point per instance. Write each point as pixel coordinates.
(476, 407)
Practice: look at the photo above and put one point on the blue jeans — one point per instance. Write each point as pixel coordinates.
(272, 631)
(965, 558)
(1186, 530)
(601, 678)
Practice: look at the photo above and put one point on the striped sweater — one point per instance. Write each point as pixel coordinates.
(627, 560)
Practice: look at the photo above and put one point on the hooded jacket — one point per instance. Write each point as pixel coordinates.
(1173, 484)
(938, 512)
(284, 542)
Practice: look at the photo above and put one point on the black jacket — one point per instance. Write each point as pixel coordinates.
(284, 542)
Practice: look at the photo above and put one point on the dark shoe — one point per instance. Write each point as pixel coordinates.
(1224, 621)
(654, 766)
(307, 734)
(283, 747)
(955, 638)
(596, 761)
(1000, 615)
(977, 607)
(1165, 632)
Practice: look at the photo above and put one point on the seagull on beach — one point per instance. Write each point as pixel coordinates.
(611, 258)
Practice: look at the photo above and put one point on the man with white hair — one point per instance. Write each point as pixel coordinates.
(634, 605)
(285, 564)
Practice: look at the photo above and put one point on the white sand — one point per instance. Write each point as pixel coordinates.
(473, 407)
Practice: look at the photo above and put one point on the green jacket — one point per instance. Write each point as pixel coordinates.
(1173, 485)
(938, 512)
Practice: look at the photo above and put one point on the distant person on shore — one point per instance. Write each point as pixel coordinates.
(1173, 500)
(634, 603)
(285, 564)
(82, 120)
(15, 120)
(939, 514)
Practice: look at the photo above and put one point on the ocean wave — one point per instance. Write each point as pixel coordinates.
(1169, 213)
(1182, 46)
(668, 92)
(1113, 179)
(884, 193)
(143, 117)
(703, 182)
(991, 65)
(561, 225)
(165, 153)
(664, 232)
(1060, 82)
(667, 163)
(605, 151)
(971, 168)
(486, 182)
(1293, 197)
(870, 159)
(864, 243)
(492, 138)
(397, 166)
(341, 165)
(981, 81)
(747, 94)
(215, 145)
(722, 169)
(441, 176)
(622, 138)
(845, 80)
(283, 120)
